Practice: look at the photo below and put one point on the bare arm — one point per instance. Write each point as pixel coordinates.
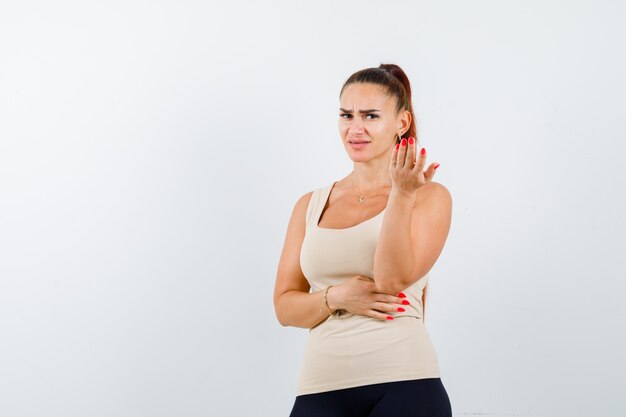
(394, 259)
(294, 304)
(301, 309)
(412, 236)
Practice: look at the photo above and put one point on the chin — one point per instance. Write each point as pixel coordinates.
(359, 158)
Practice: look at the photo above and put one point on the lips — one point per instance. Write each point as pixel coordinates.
(358, 144)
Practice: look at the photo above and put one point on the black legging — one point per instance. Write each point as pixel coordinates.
(412, 398)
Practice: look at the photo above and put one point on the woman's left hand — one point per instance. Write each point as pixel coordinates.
(407, 175)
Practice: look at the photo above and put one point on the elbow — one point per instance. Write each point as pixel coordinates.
(279, 317)
(396, 285)
(392, 287)
(280, 321)
(393, 281)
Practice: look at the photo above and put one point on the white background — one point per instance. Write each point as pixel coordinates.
(151, 154)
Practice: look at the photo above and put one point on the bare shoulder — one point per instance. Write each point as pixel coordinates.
(297, 222)
(299, 209)
(434, 193)
(304, 199)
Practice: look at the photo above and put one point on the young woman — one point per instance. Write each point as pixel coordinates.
(355, 263)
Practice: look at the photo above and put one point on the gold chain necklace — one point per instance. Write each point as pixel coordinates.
(361, 197)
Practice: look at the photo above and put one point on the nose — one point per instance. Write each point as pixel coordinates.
(356, 126)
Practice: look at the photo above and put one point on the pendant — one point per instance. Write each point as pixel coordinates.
(361, 199)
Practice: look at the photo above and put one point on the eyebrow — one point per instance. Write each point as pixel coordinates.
(360, 111)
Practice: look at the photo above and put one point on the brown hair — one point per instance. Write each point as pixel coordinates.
(395, 82)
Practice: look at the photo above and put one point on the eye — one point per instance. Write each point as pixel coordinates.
(374, 116)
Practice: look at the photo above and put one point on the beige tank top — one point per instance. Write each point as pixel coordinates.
(353, 350)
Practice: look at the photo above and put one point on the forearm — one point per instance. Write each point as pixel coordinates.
(301, 309)
(393, 260)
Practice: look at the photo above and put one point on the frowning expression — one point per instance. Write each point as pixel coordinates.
(368, 121)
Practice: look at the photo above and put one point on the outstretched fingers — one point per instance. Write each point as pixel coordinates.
(421, 161)
(430, 172)
(411, 152)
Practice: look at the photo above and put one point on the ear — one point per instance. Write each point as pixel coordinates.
(404, 120)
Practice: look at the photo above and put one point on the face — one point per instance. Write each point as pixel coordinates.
(368, 115)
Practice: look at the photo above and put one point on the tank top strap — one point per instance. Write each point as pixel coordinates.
(316, 204)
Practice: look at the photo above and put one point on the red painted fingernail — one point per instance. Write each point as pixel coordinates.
(403, 141)
(436, 166)
(389, 318)
(411, 140)
(423, 151)
(397, 145)
(402, 295)
(405, 302)
(400, 309)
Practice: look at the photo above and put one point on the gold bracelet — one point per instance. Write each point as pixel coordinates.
(336, 313)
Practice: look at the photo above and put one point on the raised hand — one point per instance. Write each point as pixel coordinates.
(407, 168)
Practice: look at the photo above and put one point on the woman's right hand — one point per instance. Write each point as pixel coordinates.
(358, 295)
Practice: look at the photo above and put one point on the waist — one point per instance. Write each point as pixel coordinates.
(357, 350)
(361, 332)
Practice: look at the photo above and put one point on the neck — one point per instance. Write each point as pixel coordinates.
(371, 175)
